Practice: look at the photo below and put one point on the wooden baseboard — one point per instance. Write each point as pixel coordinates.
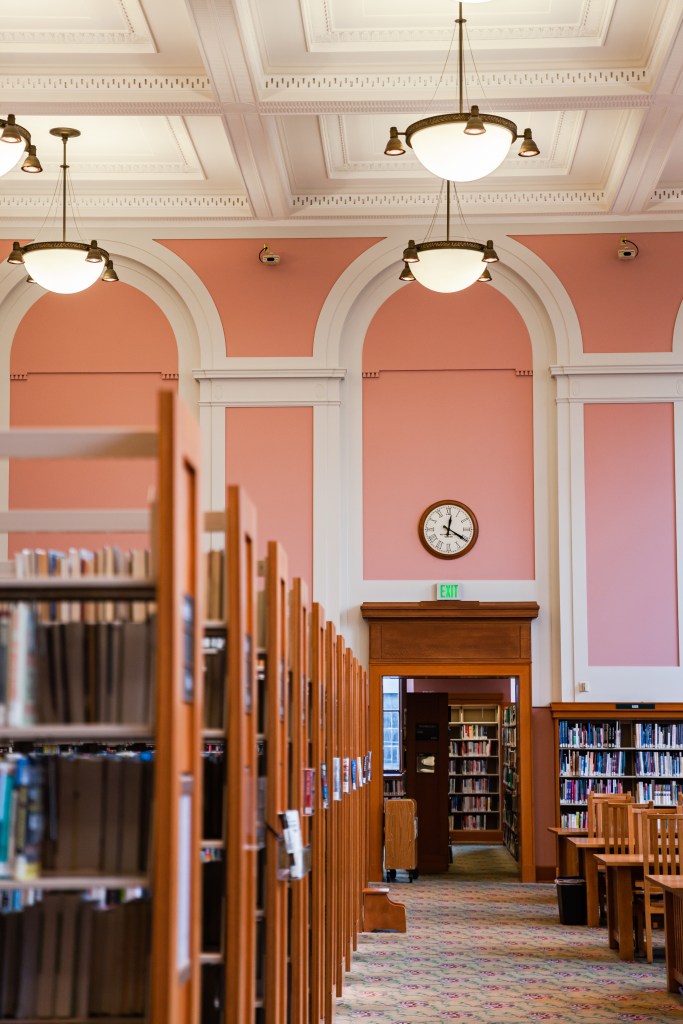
(545, 873)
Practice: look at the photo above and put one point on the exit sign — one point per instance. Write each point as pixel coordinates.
(448, 591)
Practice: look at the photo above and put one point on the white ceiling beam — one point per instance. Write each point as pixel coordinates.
(256, 148)
(659, 129)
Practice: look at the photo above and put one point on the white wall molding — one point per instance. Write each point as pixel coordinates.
(611, 384)
(265, 385)
(644, 378)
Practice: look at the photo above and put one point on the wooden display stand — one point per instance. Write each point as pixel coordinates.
(400, 837)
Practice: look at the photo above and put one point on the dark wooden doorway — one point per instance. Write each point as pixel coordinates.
(448, 639)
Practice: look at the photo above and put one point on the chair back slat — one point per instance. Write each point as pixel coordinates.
(618, 826)
(662, 840)
(596, 803)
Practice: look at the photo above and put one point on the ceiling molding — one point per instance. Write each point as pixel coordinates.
(133, 37)
(32, 207)
(395, 205)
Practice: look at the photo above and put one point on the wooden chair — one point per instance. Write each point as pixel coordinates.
(596, 803)
(661, 837)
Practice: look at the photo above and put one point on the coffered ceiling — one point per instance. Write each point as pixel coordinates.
(235, 114)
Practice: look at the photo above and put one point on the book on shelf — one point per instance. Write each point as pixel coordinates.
(84, 814)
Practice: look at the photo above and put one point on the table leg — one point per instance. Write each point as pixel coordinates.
(672, 952)
(590, 873)
(612, 910)
(624, 901)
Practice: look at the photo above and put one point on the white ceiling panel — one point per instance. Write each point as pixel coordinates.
(275, 110)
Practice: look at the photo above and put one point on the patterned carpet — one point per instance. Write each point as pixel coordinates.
(494, 952)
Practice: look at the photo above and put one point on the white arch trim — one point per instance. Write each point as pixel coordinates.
(554, 335)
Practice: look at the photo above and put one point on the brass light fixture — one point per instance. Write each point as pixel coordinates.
(64, 267)
(447, 266)
(465, 146)
(15, 142)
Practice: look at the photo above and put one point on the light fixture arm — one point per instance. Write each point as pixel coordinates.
(461, 57)
(64, 134)
(448, 211)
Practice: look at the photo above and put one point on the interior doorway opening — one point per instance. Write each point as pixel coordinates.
(451, 744)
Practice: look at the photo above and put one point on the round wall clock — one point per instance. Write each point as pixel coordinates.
(448, 529)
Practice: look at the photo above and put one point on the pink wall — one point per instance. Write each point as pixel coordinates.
(269, 451)
(622, 306)
(93, 359)
(447, 413)
(630, 535)
(269, 311)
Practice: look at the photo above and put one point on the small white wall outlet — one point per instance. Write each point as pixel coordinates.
(583, 687)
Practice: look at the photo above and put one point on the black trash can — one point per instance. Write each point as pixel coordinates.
(571, 900)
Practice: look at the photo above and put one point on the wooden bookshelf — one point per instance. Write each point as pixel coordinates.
(510, 779)
(173, 879)
(474, 795)
(318, 732)
(605, 748)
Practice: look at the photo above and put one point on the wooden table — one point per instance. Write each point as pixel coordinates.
(673, 927)
(622, 869)
(586, 849)
(566, 857)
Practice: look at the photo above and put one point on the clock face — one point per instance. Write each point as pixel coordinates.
(448, 529)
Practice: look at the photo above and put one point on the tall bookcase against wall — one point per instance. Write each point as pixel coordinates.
(616, 748)
(510, 779)
(169, 988)
(474, 797)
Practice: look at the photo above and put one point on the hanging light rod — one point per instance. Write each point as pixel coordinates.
(15, 142)
(466, 145)
(447, 266)
(64, 267)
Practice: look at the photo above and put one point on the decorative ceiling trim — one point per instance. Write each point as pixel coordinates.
(106, 83)
(402, 204)
(591, 23)
(134, 37)
(490, 82)
(32, 206)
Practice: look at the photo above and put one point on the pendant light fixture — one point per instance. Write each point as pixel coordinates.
(465, 146)
(447, 266)
(64, 267)
(15, 142)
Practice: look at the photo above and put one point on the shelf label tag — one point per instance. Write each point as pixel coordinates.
(448, 591)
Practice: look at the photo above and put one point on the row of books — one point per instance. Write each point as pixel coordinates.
(74, 672)
(485, 785)
(475, 732)
(662, 794)
(468, 822)
(654, 762)
(473, 767)
(589, 734)
(70, 957)
(509, 736)
(465, 748)
(84, 814)
(574, 791)
(509, 777)
(394, 787)
(510, 715)
(474, 803)
(81, 563)
(654, 734)
(593, 762)
(215, 681)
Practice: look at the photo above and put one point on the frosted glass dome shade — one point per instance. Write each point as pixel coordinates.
(61, 266)
(441, 145)
(10, 155)
(448, 266)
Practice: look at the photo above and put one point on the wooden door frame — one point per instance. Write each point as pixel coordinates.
(443, 634)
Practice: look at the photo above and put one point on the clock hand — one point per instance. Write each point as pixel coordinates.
(455, 533)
